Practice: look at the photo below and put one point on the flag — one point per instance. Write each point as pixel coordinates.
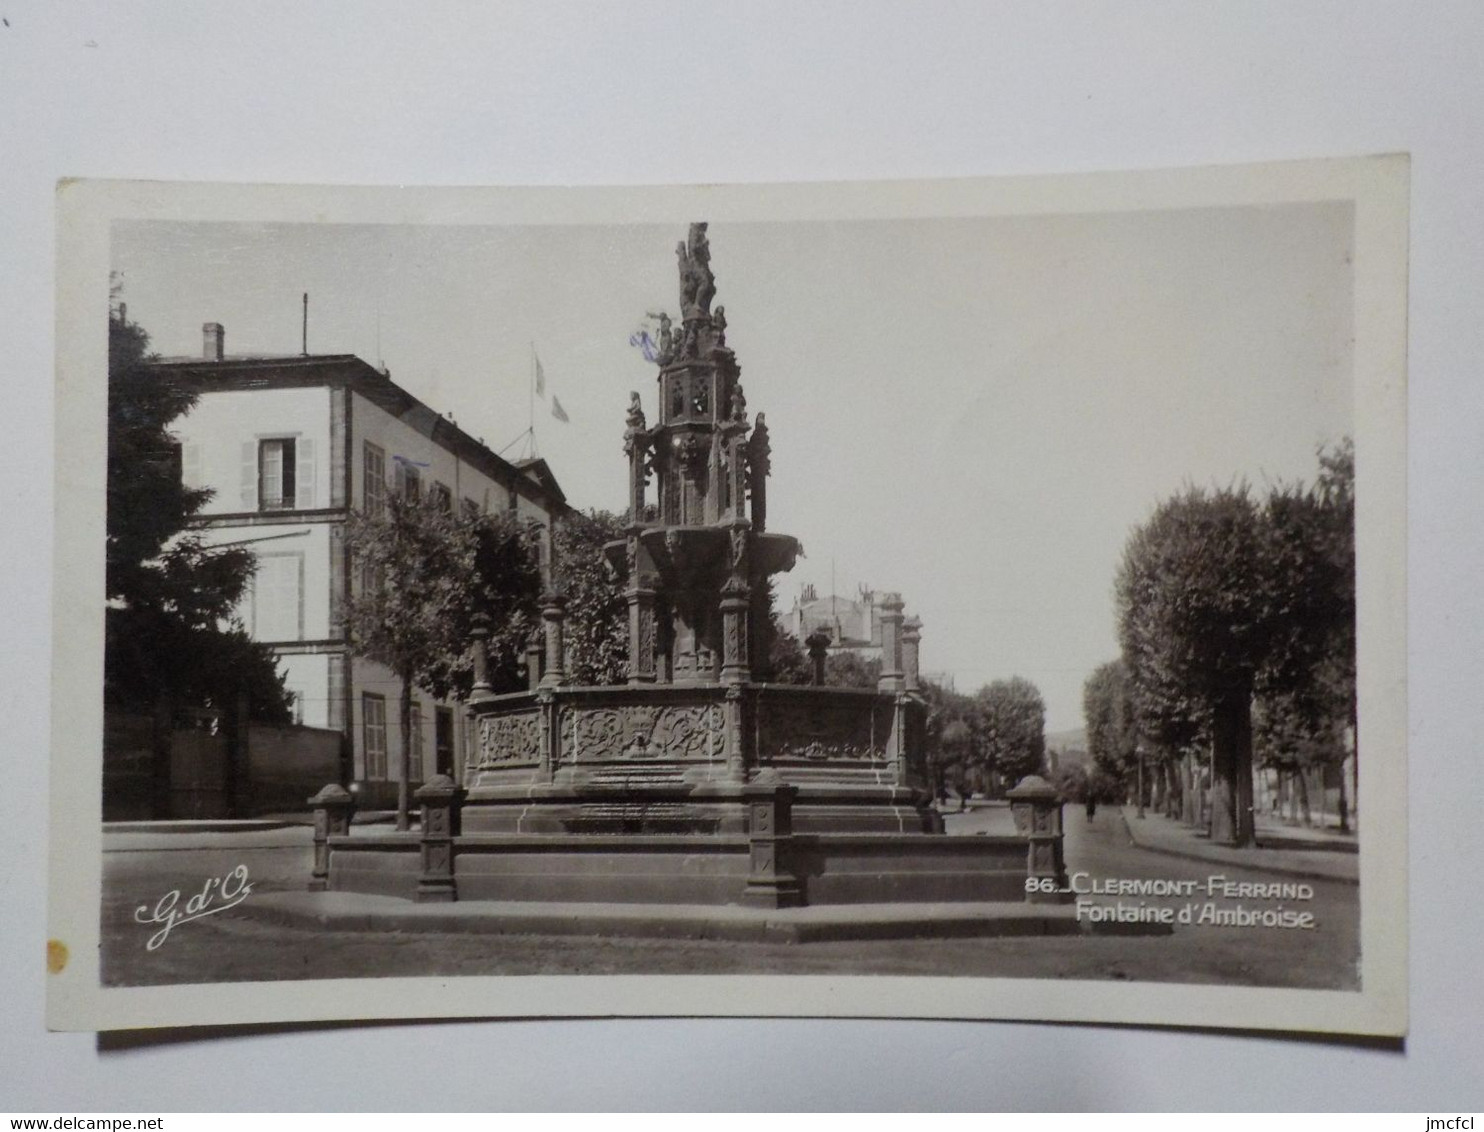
(641, 339)
(540, 376)
(557, 411)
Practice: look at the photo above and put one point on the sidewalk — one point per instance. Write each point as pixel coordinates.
(135, 837)
(365, 912)
(1311, 853)
(275, 831)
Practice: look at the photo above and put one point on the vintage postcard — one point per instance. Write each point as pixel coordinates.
(946, 599)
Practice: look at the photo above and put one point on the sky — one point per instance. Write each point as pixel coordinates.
(973, 411)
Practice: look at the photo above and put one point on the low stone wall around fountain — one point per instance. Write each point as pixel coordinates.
(769, 865)
(667, 759)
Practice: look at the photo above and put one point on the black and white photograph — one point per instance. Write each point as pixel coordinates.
(945, 599)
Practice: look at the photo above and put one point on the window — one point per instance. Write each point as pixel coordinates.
(277, 473)
(471, 509)
(371, 579)
(415, 753)
(373, 734)
(409, 479)
(444, 498)
(277, 597)
(374, 466)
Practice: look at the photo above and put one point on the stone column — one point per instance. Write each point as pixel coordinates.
(479, 645)
(771, 881)
(441, 799)
(636, 444)
(641, 635)
(333, 807)
(534, 653)
(1037, 810)
(736, 733)
(551, 733)
(736, 603)
(891, 645)
(553, 614)
(911, 641)
(898, 747)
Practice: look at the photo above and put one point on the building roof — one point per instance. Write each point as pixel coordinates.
(299, 371)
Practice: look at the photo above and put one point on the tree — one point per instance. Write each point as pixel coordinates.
(1072, 782)
(421, 588)
(504, 599)
(851, 670)
(1110, 715)
(1014, 716)
(1197, 622)
(1307, 685)
(948, 738)
(1295, 733)
(787, 661)
(597, 625)
(170, 635)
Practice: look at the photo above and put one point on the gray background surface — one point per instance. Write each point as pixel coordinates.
(387, 93)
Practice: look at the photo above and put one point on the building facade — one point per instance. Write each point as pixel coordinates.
(289, 446)
(853, 624)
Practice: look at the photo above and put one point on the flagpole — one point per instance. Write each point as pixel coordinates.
(531, 426)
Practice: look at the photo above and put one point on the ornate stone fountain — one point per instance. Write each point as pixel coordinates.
(697, 781)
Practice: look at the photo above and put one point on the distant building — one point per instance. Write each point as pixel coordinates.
(854, 625)
(290, 445)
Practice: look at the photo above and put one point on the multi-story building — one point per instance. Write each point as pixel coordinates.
(290, 445)
(854, 624)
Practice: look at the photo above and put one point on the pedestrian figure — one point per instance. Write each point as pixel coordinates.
(1092, 806)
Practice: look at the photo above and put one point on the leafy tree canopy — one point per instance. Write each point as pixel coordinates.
(597, 626)
(1221, 596)
(1110, 715)
(1014, 727)
(170, 634)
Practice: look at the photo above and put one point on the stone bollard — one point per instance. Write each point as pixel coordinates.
(442, 801)
(771, 882)
(1036, 807)
(333, 807)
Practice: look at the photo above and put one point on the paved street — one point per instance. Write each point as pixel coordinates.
(237, 947)
(1103, 848)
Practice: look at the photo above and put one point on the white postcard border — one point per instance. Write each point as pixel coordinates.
(76, 999)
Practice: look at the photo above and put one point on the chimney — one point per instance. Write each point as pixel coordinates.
(213, 341)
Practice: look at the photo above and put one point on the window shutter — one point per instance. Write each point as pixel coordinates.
(304, 475)
(249, 475)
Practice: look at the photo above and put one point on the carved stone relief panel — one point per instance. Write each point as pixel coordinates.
(689, 731)
(823, 729)
(506, 739)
